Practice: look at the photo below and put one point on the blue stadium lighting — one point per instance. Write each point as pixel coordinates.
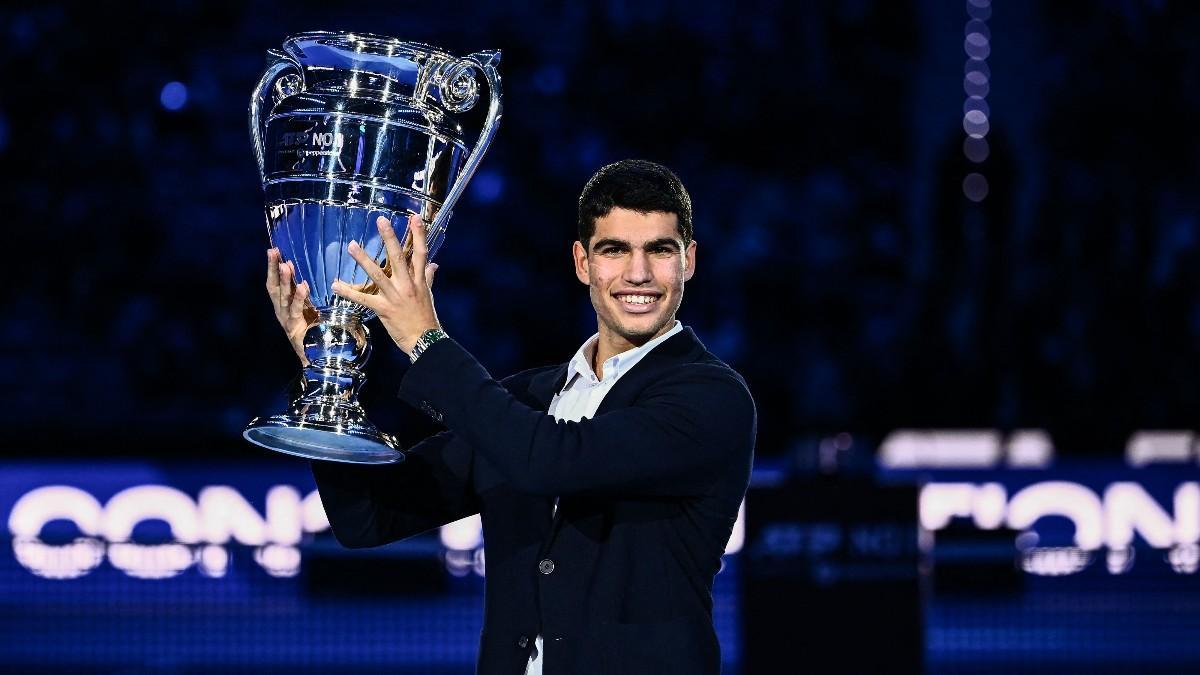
(174, 95)
(976, 85)
(487, 186)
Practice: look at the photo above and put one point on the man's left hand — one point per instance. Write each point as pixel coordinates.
(404, 297)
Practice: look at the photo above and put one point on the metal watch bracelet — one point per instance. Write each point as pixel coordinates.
(427, 338)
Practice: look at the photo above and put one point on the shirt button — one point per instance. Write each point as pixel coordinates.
(523, 641)
(546, 566)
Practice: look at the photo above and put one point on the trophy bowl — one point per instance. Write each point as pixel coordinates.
(348, 127)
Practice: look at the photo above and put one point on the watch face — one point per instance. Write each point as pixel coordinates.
(427, 338)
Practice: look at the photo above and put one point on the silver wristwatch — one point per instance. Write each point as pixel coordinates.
(427, 338)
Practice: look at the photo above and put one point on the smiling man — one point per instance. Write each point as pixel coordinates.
(608, 485)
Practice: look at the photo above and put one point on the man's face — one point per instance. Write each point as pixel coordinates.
(635, 266)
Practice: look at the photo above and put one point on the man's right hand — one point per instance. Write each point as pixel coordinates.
(293, 308)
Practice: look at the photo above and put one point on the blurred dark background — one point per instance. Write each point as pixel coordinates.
(841, 267)
(910, 215)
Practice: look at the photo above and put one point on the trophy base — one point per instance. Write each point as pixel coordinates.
(349, 443)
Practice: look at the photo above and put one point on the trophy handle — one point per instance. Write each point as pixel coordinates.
(486, 62)
(263, 97)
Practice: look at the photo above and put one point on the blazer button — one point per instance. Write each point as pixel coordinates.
(546, 566)
(523, 641)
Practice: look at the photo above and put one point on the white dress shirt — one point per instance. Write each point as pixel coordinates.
(580, 397)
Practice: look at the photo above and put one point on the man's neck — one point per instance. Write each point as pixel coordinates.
(610, 344)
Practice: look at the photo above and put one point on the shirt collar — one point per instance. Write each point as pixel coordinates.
(616, 366)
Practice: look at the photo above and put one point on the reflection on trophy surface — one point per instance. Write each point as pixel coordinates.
(349, 127)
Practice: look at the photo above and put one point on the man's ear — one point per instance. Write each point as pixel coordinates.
(689, 261)
(581, 263)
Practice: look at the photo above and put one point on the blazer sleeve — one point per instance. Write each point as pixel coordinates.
(694, 423)
(372, 505)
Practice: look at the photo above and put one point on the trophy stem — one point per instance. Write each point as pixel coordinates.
(326, 420)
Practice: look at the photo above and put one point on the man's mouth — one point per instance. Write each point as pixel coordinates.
(637, 302)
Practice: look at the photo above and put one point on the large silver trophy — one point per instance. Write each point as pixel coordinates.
(348, 127)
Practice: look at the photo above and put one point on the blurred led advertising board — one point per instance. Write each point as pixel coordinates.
(158, 520)
(1065, 515)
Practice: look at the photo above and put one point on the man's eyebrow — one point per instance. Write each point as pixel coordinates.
(601, 243)
(662, 241)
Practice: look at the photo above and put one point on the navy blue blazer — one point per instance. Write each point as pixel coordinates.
(619, 580)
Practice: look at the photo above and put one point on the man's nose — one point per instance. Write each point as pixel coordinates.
(638, 269)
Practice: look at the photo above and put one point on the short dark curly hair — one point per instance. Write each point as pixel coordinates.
(638, 185)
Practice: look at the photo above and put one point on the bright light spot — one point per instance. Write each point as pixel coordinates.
(976, 104)
(278, 561)
(1151, 447)
(174, 95)
(977, 46)
(975, 123)
(906, 448)
(1184, 559)
(463, 535)
(975, 187)
(1119, 560)
(975, 83)
(738, 536)
(214, 561)
(69, 561)
(157, 561)
(1055, 561)
(1027, 448)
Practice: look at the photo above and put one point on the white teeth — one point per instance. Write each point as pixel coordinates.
(638, 299)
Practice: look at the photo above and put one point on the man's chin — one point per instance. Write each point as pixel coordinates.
(641, 332)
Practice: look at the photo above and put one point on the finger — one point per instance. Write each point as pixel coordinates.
(298, 301)
(272, 270)
(371, 302)
(286, 287)
(430, 270)
(273, 274)
(420, 256)
(374, 273)
(391, 244)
